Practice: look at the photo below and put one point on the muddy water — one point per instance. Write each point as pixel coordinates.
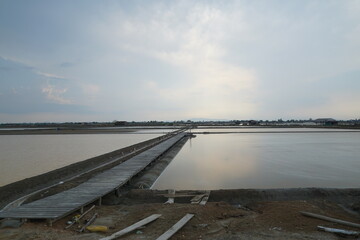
(23, 156)
(265, 160)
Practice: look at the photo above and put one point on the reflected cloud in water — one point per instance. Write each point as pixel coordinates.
(265, 160)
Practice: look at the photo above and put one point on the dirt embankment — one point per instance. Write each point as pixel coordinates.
(348, 199)
(79, 130)
(146, 179)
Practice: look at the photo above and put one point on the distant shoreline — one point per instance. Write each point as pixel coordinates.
(199, 130)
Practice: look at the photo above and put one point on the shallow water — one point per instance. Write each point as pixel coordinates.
(23, 156)
(265, 160)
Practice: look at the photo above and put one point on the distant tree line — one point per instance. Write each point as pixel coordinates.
(249, 122)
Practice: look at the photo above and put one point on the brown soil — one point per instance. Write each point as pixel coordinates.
(215, 220)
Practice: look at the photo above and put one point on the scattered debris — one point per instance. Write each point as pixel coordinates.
(329, 219)
(205, 198)
(170, 200)
(177, 195)
(77, 219)
(239, 206)
(201, 199)
(341, 232)
(97, 228)
(275, 229)
(133, 227)
(91, 220)
(197, 199)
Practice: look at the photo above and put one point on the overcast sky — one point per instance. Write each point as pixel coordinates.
(178, 60)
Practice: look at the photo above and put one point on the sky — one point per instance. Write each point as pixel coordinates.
(88, 60)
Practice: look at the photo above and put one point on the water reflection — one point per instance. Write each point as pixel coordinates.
(267, 129)
(265, 160)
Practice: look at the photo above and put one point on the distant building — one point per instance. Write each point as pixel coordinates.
(326, 121)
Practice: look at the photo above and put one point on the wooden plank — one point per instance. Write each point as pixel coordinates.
(169, 233)
(205, 199)
(329, 219)
(92, 219)
(197, 199)
(340, 232)
(81, 216)
(133, 227)
(170, 200)
(177, 195)
(42, 210)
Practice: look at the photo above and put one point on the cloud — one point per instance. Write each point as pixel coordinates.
(183, 59)
(190, 38)
(342, 104)
(50, 75)
(90, 89)
(55, 94)
(26, 95)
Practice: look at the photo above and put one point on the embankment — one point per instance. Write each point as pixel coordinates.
(348, 199)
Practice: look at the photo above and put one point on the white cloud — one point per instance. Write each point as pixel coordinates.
(190, 37)
(188, 59)
(91, 89)
(55, 94)
(51, 116)
(50, 75)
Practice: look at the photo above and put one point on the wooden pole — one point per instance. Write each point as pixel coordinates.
(92, 219)
(339, 231)
(329, 219)
(82, 215)
(169, 233)
(171, 200)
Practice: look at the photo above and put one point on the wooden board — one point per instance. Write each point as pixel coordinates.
(171, 200)
(205, 199)
(197, 199)
(169, 233)
(133, 227)
(177, 195)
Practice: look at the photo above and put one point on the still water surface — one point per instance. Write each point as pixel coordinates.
(23, 156)
(265, 160)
